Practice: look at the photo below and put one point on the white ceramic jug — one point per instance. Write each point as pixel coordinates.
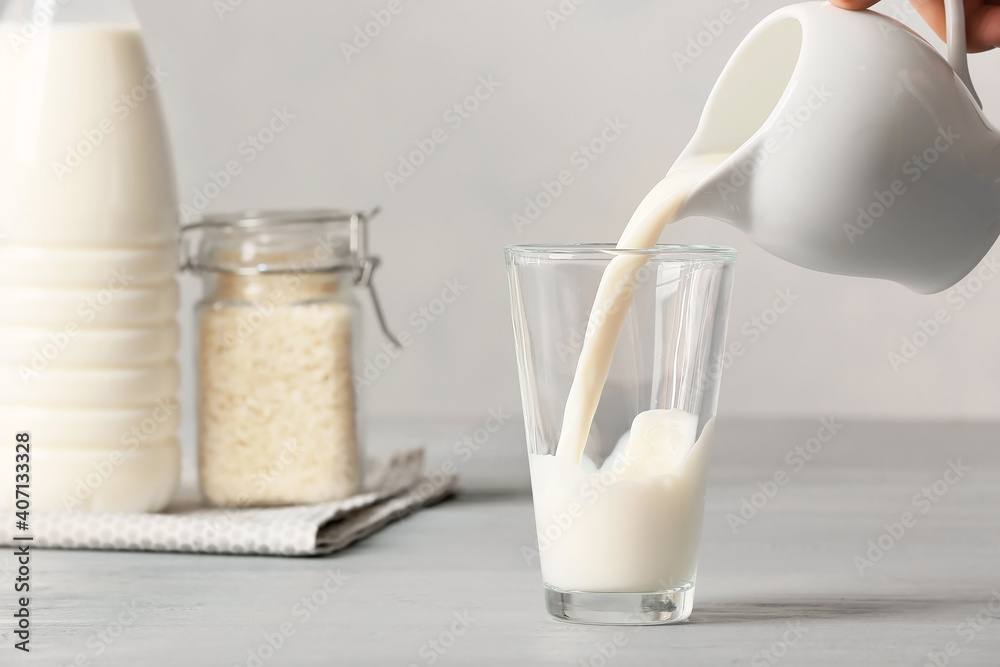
(851, 146)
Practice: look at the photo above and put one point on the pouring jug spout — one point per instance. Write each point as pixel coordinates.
(843, 142)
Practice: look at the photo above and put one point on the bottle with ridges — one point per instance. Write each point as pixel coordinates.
(88, 260)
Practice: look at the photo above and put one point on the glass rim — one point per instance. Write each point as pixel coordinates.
(666, 251)
(270, 220)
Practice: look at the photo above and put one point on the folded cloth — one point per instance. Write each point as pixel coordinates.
(394, 487)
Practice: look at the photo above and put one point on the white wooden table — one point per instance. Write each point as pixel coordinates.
(450, 586)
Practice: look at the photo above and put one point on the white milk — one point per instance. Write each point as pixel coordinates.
(84, 157)
(102, 480)
(633, 525)
(657, 210)
(88, 260)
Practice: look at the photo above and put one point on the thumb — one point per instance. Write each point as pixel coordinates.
(853, 4)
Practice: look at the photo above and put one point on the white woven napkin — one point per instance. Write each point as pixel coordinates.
(395, 487)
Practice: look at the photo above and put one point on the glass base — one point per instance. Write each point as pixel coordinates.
(657, 608)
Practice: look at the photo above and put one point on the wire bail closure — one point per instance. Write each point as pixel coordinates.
(366, 268)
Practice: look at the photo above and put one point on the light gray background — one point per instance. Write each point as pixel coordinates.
(449, 221)
(610, 59)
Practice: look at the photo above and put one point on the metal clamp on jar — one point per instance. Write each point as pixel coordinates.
(278, 332)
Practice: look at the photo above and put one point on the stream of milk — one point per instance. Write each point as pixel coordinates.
(634, 524)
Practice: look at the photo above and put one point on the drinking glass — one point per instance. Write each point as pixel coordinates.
(618, 529)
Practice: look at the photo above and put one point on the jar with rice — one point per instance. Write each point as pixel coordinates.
(278, 332)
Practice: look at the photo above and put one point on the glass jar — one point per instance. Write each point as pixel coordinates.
(277, 332)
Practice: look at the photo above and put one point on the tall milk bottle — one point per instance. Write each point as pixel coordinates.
(88, 261)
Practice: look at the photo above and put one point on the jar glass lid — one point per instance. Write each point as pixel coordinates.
(277, 242)
(261, 242)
